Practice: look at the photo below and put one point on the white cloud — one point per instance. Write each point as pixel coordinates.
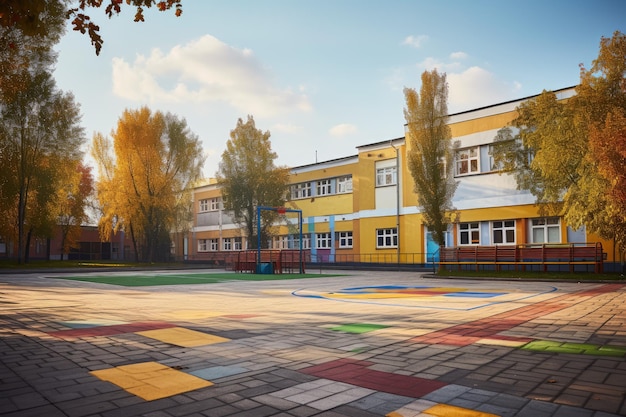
(458, 55)
(343, 129)
(415, 41)
(286, 128)
(205, 70)
(476, 87)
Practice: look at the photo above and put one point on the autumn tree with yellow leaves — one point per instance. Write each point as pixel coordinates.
(571, 154)
(145, 179)
(430, 156)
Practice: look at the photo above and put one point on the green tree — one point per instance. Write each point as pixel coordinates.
(40, 132)
(32, 17)
(430, 155)
(249, 178)
(570, 153)
(145, 178)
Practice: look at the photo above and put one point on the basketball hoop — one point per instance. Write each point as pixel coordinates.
(281, 210)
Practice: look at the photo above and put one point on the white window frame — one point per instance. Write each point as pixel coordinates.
(306, 241)
(345, 239)
(387, 238)
(323, 187)
(302, 190)
(323, 240)
(227, 244)
(503, 228)
(386, 176)
(203, 205)
(548, 227)
(469, 234)
(344, 184)
(215, 203)
(467, 161)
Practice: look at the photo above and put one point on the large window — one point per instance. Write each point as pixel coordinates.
(467, 161)
(207, 245)
(469, 233)
(387, 238)
(323, 187)
(203, 205)
(503, 231)
(215, 204)
(386, 176)
(345, 239)
(323, 240)
(344, 184)
(546, 230)
(306, 241)
(302, 190)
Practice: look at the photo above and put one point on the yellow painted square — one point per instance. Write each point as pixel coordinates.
(180, 336)
(501, 342)
(445, 410)
(151, 380)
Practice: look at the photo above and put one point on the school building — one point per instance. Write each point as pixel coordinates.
(362, 208)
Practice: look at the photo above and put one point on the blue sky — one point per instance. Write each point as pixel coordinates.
(325, 76)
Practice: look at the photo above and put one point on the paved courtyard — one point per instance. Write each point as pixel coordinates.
(363, 344)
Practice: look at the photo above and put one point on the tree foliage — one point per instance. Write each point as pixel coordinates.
(73, 196)
(249, 178)
(40, 134)
(145, 178)
(430, 156)
(31, 16)
(570, 153)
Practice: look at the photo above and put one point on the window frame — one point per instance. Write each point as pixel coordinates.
(470, 157)
(387, 238)
(203, 205)
(301, 190)
(344, 184)
(504, 228)
(345, 239)
(323, 241)
(547, 224)
(386, 176)
(323, 187)
(469, 229)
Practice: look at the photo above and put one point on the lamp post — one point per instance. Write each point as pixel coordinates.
(397, 200)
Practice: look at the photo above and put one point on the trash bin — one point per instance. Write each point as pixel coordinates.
(265, 268)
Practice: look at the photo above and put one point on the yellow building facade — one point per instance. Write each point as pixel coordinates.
(363, 208)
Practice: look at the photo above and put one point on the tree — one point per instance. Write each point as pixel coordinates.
(430, 156)
(40, 132)
(73, 202)
(145, 178)
(249, 178)
(30, 16)
(570, 153)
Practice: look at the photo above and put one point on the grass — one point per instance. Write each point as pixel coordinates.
(557, 276)
(185, 279)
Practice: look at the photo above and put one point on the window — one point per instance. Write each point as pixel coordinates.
(469, 234)
(281, 242)
(323, 241)
(215, 203)
(204, 205)
(205, 245)
(344, 184)
(323, 187)
(302, 190)
(503, 231)
(387, 238)
(386, 176)
(546, 230)
(345, 239)
(227, 243)
(492, 163)
(237, 243)
(467, 161)
(306, 241)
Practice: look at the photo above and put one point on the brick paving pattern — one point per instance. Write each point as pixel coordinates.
(73, 349)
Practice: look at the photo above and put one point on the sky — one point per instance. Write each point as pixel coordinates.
(325, 76)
